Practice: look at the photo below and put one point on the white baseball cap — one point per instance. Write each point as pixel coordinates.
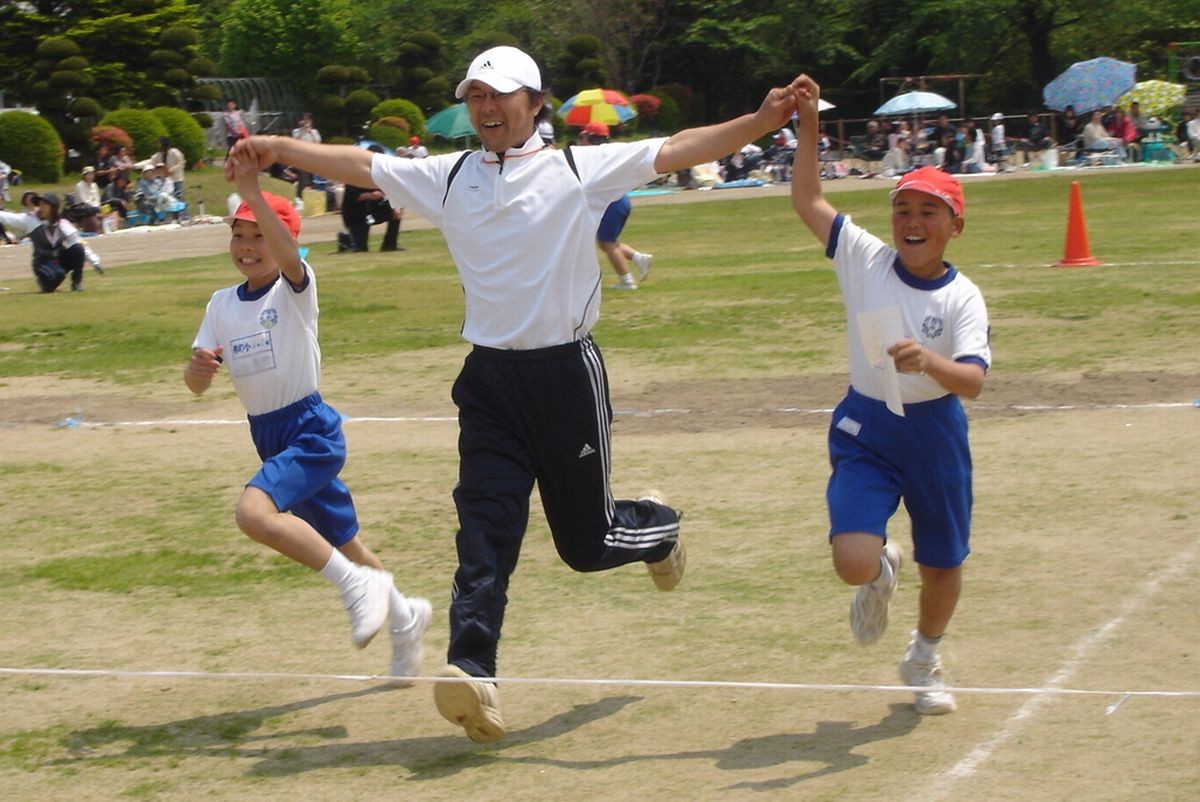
(505, 69)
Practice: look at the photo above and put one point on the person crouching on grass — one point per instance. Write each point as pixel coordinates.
(922, 457)
(265, 331)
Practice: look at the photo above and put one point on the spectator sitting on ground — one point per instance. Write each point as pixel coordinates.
(875, 145)
(118, 197)
(949, 157)
(1140, 121)
(170, 158)
(1036, 138)
(152, 196)
(1124, 128)
(975, 145)
(415, 149)
(897, 161)
(1096, 138)
(85, 211)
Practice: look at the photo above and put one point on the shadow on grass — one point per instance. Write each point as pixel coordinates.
(832, 743)
(233, 735)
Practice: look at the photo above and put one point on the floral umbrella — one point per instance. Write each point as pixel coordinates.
(1090, 85)
(597, 105)
(1154, 97)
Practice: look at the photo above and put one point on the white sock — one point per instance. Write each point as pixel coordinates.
(400, 614)
(340, 571)
(886, 573)
(924, 649)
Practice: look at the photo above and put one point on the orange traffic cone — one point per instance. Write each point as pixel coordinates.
(1077, 253)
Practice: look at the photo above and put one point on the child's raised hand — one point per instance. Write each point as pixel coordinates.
(259, 151)
(807, 94)
(245, 168)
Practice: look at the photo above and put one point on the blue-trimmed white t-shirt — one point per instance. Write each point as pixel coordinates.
(946, 315)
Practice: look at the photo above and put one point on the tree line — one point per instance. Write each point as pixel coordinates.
(77, 59)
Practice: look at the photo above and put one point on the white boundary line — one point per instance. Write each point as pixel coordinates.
(621, 413)
(1080, 652)
(626, 682)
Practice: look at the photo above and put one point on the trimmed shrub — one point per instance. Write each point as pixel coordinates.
(388, 135)
(399, 107)
(143, 127)
(30, 144)
(183, 130)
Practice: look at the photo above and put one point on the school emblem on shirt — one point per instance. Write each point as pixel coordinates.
(268, 318)
(932, 327)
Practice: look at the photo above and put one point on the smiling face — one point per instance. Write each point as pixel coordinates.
(922, 227)
(502, 120)
(251, 256)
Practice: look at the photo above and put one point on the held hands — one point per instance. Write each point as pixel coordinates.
(244, 169)
(258, 150)
(807, 94)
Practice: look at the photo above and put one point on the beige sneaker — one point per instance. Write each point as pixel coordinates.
(474, 706)
(668, 571)
(936, 701)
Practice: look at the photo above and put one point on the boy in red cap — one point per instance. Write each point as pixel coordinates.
(264, 331)
(918, 332)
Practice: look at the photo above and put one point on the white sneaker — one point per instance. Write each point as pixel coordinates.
(367, 603)
(870, 607)
(474, 706)
(406, 643)
(625, 283)
(668, 571)
(643, 261)
(935, 702)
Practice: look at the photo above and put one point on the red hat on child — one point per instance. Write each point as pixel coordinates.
(933, 181)
(414, 140)
(282, 208)
(596, 128)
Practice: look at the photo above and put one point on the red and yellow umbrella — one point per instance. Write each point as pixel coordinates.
(597, 105)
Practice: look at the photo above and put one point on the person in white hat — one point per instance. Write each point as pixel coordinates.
(520, 219)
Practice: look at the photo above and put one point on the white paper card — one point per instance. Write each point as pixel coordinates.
(878, 331)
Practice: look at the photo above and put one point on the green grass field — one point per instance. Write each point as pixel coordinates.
(120, 552)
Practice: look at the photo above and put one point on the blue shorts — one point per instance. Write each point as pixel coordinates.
(879, 458)
(613, 222)
(303, 450)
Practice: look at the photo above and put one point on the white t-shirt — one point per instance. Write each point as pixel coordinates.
(522, 232)
(173, 160)
(946, 315)
(88, 193)
(268, 340)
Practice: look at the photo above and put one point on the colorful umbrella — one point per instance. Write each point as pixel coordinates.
(915, 103)
(1154, 97)
(597, 105)
(451, 123)
(1090, 85)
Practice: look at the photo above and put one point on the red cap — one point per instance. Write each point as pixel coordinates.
(414, 140)
(933, 181)
(596, 128)
(282, 208)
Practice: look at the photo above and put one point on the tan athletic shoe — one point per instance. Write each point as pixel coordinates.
(937, 701)
(870, 607)
(474, 706)
(668, 571)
